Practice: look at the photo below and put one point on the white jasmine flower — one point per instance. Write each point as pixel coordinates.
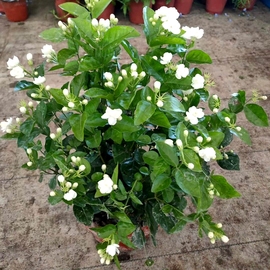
(219, 225)
(12, 63)
(197, 81)
(166, 58)
(181, 71)
(103, 167)
(157, 85)
(112, 249)
(52, 193)
(211, 235)
(167, 13)
(190, 166)
(160, 103)
(120, 78)
(78, 159)
(29, 56)
(65, 92)
(105, 185)
(29, 163)
(238, 128)
(6, 125)
(224, 239)
(48, 51)
(52, 136)
(179, 143)
(227, 119)
(29, 151)
(207, 153)
(215, 110)
(75, 185)
(71, 105)
(17, 72)
(39, 80)
(104, 23)
(172, 26)
(70, 195)
(94, 22)
(194, 114)
(62, 26)
(61, 178)
(82, 168)
(192, 32)
(108, 76)
(68, 185)
(169, 142)
(23, 109)
(112, 115)
(109, 84)
(133, 67)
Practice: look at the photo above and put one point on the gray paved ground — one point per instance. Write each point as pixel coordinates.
(34, 235)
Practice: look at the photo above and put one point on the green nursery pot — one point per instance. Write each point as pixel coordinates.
(15, 10)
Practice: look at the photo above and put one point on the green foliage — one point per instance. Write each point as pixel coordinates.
(130, 141)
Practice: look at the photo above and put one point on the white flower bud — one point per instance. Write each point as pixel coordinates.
(102, 260)
(78, 159)
(65, 109)
(212, 240)
(196, 149)
(30, 104)
(108, 261)
(120, 78)
(85, 102)
(227, 119)
(47, 88)
(185, 132)
(210, 234)
(224, 239)
(169, 142)
(115, 187)
(59, 130)
(74, 159)
(179, 143)
(124, 72)
(82, 168)
(68, 185)
(211, 192)
(61, 178)
(29, 163)
(142, 74)
(29, 56)
(160, 103)
(52, 193)
(134, 74)
(190, 166)
(52, 135)
(103, 167)
(238, 128)
(29, 151)
(199, 139)
(23, 110)
(148, 98)
(219, 225)
(185, 98)
(71, 105)
(211, 186)
(264, 97)
(157, 85)
(208, 139)
(215, 110)
(94, 22)
(65, 92)
(155, 58)
(133, 67)
(75, 185)
(215, 97)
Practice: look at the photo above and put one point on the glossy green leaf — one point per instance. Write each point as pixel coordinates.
(105, 231)
(144, 110)
(98, 93)
(230, 163)
(168, 153)
(99, 7)
(198, 57)
(192, 157)
(150, 157)
(40, 114)
(135, 199)
(53, 35)
(173, 104)
(53, 200)
(94, 140)
(225, 190)
(23, 85)
(74, 9)
(77, 122)
(160, 119)
(256, 115)
(242, 134)
(160, 183)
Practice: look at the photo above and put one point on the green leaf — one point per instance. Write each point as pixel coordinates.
(122, 217)
(105, 231)
(160, 183)
(53, 200)
(198, 57)
(27, 126)
(225, 190)
(138, 238)
(99, 93)
(23, 85)
(78, 83)
(144, 110)
(59, 96)
(126, 125)
(40, 114)
(94, 140)
(53, 183)
(125, 228)
(242, 134)
(191, 157)
(173, 104)
(135, 199)
(216, 139)
(89, 63)
(99, 7)
(53, 35)
(231, 163)
(74, 9)
(160, 119)
(256, 115)
(77, 122)
(178, 226)
(235, 104)
(150, 157)
(168, 153)
(168, 195)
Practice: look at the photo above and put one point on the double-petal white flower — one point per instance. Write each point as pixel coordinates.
(105, 185)
(112, 249)
(192, 32)
(194, 114)
(39, 80)
(207, 153)
(17, 72)
(197, 81)
(181, 71)
(12, 63)
(112, 115)
(70, 195)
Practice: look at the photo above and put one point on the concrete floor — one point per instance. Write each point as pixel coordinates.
(34, 235)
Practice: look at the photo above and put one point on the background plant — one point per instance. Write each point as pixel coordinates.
(131, 141)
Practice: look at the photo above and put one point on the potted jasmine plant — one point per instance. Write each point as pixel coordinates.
(129, 145)
(244, 4)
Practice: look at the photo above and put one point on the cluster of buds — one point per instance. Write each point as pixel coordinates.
(9, 126)
(49, 53)
(256, 96)
(106, 255)
(215, 235)
(77, 162)
(57, 136)
(212, 191)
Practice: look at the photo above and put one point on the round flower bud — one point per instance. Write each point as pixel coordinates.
(18, 120)
(142, 74)
(47, 88)
(185, 132)
(264, 97)
(78, 159)
(179, 143)
(227, 119)
(52, 193)
(196, 149)
(160, 103)
(65, 92)
(211, 186)
(68, 185)
(71, 105)
(212, 240)
(124, 72)
(185, 98)
(29, 163)
(224, 239)
(30, 104)
(155, 57)
(215, 97)
(103, 167)
(82, 168)
(34, 95)
(114, 187)
(210, 234)
(208, 139)
(29, 56)
(75, 185)
(120, 78)
(23, 110)
(219, 225)
(59, 130)
(133, 67)
(29, 151)
(52, 136)
(65, 109)
(148, 98)
(157, 85)
(215, 110)
(61, 178)
(134, 74)
(102, 260)
(211, 192)
(85, 102)
(108, 261)
(199, 139)
(190, 166)
(169, 142)
(74, 159)
(238, 128)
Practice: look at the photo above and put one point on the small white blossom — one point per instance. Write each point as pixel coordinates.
(185, 98)
(112, 115)
(211, 192)
(238, 128)
(71, 104)
(264, 97)
(190, 166)
(94, 22)
(29, 163)
(120, 78)
(23, 109)
(68, 185)
(167, 13)
(194, 114)
(133, 67)
(142, 74)
(103, 167)
(30, 104)
(75, 185)
(215, 110)
(52, 136)
(105, 185)
(211, 235)
(181, 71)
(208, 139)
(34, 95)
(155, 57)
(82, 168)
(102, 260)
(179, 143)
(17, 72)
(212, 240)
(169, 142)
(134, 74)
(112, 249)
(227, 119)
(108, 76)
(148, 98)
(215, 97)
(52, 193)
(12, 63)
(109, 84)
(166, 58)
(6, 125)
(160, 103)
(197, 81)
(196, 149)
(85, 102)
(185, 132)
(207, 153)
(39, 80)
(29, 151)
(219, 225)
(115, 187)
(157, 85)
(187, 92)
(61, 178)
(172, 26)
(224, 239)
(124, 72)
(48, 51)
(74, 159)
(62, 26)
(59, 130)
(65, 109)
(47, 88)
(192, 32)
(65, 92)
(70, 195)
